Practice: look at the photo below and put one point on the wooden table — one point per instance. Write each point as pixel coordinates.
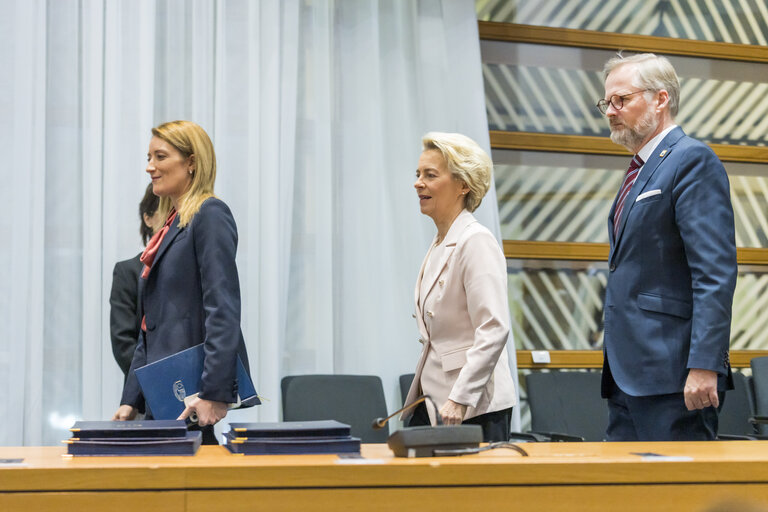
(556, 476)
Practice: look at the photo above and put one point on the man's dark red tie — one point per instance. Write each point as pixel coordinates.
(629, 180)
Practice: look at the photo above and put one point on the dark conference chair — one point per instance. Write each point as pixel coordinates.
(737, 409)
(405, 385)
(567, 402)
(759, 367)
(356, 400)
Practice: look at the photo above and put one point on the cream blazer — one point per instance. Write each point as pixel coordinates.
(465, 319)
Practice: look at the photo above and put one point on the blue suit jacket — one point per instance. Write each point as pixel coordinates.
(192, 296)
(672, 273)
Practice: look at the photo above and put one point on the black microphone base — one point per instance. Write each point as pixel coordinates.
(423, 441)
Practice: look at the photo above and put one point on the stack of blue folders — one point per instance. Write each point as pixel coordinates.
(291, 437)
(151, 437)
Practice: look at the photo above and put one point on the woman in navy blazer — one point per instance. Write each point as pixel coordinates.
(190, 287)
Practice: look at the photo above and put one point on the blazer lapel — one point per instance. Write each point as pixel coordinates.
(419, 313)
(173, 231)
(451, 238)
(648, 170)
(610, 221)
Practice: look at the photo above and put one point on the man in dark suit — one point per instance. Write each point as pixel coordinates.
(124, 319)
(672, 265)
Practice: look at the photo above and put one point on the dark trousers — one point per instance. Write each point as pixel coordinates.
(209, 436)
(658, 418)
(496, 425)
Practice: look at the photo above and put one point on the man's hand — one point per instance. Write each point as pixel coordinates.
(701, 389)
(452, 413)
(125, 413)
(208, 411)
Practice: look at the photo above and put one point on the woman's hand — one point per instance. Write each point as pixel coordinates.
(452, 413)
(208, 412)
(125, 413)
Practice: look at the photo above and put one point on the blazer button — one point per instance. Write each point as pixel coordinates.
(430, 314)
(421, 341)
(441, 282)
(612, 267)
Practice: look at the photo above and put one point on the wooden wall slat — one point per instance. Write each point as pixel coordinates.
(577, 251)
(518, 33)
(588, 144)
(593, 359)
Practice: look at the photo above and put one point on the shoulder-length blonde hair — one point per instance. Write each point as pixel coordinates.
(189, 139)
(467, 162)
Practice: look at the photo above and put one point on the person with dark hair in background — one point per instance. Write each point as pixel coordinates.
(124, 319)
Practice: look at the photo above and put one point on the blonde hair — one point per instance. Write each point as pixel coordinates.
(189, 139)
(467, 162)
(654, 73)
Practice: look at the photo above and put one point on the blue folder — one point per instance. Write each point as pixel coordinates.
(140, 429)
(291, 437)
(186, 445)
(165, 383)
(291, 429)
(293, 446)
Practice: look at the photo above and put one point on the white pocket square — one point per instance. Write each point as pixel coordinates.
(650, 193)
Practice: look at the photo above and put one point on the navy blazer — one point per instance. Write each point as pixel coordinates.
(192, 296)
(672, 273)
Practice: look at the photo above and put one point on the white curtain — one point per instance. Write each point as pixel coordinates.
(316, 109)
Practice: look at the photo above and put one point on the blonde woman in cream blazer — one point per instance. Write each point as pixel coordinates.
(461, 296)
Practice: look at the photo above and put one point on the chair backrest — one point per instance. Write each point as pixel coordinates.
(567, 402)
(737, 408)
(356, 400)
(405, 385)
(759, 367)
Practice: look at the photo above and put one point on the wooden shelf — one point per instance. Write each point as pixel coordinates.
(576, 251)
(593, 359)
(517, 33)
(588, 144)
(572, 251)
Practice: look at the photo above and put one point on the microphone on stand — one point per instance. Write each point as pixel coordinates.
(439, 441)
(379, 423)
(429, 441)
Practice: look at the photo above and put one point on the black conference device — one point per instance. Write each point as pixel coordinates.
(430, 441)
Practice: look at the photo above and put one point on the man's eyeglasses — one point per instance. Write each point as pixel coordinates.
(615, 100)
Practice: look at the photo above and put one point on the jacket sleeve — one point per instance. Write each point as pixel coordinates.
(215, 239)
(123, 326)
(484, 274)
(131, 390)
(704, 217)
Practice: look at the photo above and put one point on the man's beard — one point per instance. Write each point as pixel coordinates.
(632, 136)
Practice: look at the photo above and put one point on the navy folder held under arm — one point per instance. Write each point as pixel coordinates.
(165, 383)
